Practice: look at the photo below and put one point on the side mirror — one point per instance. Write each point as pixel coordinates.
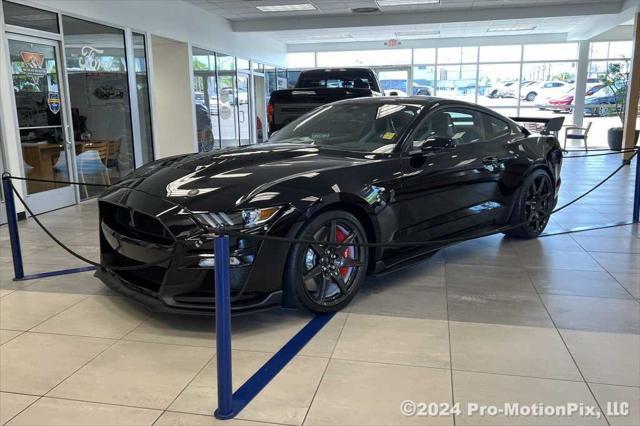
(437, 143)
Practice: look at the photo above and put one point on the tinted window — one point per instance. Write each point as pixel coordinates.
(369, 127)
(335, 79)
(496, 128)
(30, 17)
(460, 125)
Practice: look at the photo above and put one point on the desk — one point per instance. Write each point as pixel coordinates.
(42, 157)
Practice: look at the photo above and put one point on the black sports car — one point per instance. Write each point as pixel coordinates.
(384, 170)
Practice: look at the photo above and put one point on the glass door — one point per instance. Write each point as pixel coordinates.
(394, 81)
(244, 108)
(42, 127)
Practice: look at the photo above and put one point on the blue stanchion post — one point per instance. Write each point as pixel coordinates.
(636, 194)
(223, 328)
(12, 223)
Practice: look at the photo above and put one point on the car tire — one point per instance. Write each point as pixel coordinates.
(323, 266)
(602, 111)
(533, 206)
(531, 96)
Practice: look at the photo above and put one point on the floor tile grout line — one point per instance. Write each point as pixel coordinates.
(326, 367)
(606, 270)
(187, 385)
(62, 381)
(570, 353)
(446, 294)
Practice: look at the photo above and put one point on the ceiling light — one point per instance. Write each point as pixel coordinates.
(417, 33)
(512, 28)
(387, 3)
(286, 7)
(365, 10)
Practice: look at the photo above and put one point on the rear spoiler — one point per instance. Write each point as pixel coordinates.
(544, 126)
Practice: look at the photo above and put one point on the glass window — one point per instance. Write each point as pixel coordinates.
(495, 127)
(620, 49)
(550, 52)
(301, 60)
(462, 126)
(500, 53)
(206, 105)
(292, 78)
(30, 17)
(393, 82)
(424, 80)
(364, 57)
(457, 82)
(599, 50)
(257, 66)
(243, 65)
(270, 80)
(99, 95)
(227, 100)
(34, 69)
(498, 84)
(142, 87)
(424, 56)
(455, 55)
(281, 79)
(351, 127)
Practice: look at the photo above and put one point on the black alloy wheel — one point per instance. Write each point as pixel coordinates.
(534, 205)
(325, 277)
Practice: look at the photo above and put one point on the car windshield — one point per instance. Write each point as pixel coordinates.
(335, 79)
(370, 127)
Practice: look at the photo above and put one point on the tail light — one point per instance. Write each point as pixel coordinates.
(270, 114)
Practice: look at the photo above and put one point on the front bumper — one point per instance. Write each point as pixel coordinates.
(133, 234)
(155, 302)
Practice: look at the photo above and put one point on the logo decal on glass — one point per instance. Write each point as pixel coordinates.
(88, 60)
(33, 62)
(53, 100)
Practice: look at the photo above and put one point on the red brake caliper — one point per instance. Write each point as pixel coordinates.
(348, 252)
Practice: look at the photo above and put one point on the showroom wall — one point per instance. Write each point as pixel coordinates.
(174, 126)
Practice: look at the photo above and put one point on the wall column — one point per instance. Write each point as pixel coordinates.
(581, 83)
(633, 90)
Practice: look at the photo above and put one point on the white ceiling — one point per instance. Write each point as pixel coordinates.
(333, 21)
(428, 31)
(241, 10)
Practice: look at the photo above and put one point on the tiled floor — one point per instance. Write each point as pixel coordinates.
(553, 320)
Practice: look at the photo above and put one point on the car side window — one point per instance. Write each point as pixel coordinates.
(461, 125)
(495, 127)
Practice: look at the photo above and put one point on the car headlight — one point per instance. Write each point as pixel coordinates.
(248, 218)
(256, 217)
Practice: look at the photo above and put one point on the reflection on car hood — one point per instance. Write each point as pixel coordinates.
(231, 178)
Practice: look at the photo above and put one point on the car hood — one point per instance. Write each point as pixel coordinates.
(231, 179)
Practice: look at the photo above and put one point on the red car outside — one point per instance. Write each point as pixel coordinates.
(565, 101)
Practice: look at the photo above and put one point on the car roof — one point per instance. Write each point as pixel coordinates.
(421, 100)
(426, 101)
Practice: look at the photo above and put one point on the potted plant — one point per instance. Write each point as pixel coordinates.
(616, 81)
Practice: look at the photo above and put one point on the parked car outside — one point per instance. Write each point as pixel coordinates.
(602, 103)
(565, 102)
(545, 88)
